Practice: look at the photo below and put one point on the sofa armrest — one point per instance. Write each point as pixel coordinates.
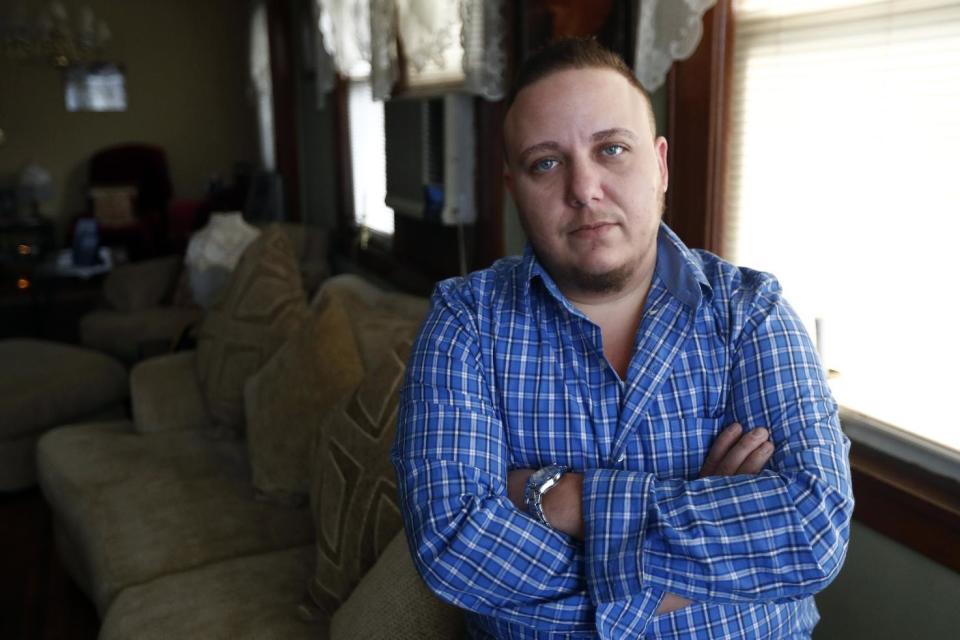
(165, 394)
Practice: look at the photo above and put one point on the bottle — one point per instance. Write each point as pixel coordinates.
(86, 242)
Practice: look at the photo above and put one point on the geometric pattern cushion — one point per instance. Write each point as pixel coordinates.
(354, 491)
(288, 398)
(262, 304)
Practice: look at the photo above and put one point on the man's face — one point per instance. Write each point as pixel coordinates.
(588, 178)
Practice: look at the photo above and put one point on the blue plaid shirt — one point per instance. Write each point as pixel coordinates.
(506, 373)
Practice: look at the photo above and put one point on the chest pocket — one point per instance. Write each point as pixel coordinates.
(670, 447)
(546, 416)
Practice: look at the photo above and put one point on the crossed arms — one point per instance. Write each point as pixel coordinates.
(732, 453)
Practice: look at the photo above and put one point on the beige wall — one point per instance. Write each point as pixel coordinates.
(186, 64)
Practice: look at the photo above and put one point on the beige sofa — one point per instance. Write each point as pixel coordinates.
(175, 530)
(146, 305)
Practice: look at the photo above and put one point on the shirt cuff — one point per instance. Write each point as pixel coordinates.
(615, 506)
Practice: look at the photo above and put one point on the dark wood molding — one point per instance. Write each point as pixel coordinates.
(698, 92)
(346, 224)
(282, 61)
(488, 232)
(909, 504)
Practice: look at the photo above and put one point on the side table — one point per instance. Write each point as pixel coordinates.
(57, 294)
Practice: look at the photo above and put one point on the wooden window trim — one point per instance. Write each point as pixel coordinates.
(698, 96)
(280, 29)
(903, 501)
(907, 503)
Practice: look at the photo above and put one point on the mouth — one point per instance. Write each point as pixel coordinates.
(593, 229)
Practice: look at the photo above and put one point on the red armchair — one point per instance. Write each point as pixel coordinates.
(141, 171)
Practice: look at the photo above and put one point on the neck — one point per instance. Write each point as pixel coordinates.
(622, 306)
(618, 314)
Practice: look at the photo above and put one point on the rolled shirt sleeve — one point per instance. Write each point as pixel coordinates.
(472, 546)
(776, 536)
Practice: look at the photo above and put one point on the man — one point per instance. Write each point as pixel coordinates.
(563, 464)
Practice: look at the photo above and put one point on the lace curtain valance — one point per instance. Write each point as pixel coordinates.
(444, 44)
(668, 30)
(460, 43)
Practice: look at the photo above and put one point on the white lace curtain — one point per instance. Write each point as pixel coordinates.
(445, 44)
(460, 43)
(668, 30)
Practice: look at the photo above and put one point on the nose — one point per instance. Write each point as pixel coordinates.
(584, 185)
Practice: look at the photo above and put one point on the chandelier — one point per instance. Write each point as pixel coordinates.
(51, 37)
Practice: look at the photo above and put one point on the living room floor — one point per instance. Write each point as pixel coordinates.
(38, 600)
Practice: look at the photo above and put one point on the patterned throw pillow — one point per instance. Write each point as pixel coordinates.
(287, 399)
(354, 491)
(260, 307)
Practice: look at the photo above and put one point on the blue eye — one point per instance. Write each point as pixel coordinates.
(612, 150)
(542, 166)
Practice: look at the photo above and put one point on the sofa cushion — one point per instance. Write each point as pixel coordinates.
(286, 400)
(261, 306)
(141, 285)
(250, 598)
(392, 602)
(165, 394)
(354, 492)
(46, 384)
(127, 335)
(138, 506)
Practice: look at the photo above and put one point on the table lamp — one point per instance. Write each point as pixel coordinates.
(36, 186)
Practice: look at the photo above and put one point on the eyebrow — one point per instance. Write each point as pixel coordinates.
(616, 132)
(599, 136)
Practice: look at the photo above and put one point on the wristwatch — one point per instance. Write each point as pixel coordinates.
(538, 484)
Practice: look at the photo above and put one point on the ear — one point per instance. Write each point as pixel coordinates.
(660, 147)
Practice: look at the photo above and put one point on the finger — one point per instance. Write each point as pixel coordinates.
(746, 445)
(757, 460)
(727, 438)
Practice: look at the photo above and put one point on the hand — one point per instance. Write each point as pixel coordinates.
(735, 454)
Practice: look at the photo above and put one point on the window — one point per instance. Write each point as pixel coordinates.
(97, 87)
(845, 118)
(345, 28)
(368, 158)
(262, 83)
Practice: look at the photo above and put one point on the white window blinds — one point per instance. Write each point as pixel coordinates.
(845, 126)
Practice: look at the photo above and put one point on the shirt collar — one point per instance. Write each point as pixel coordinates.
(679, 268)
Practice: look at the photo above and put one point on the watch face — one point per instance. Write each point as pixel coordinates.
(546, 477)
(539, 482)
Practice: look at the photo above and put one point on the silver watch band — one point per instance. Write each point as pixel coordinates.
(538, 484)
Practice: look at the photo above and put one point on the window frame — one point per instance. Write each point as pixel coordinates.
(904, 489)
